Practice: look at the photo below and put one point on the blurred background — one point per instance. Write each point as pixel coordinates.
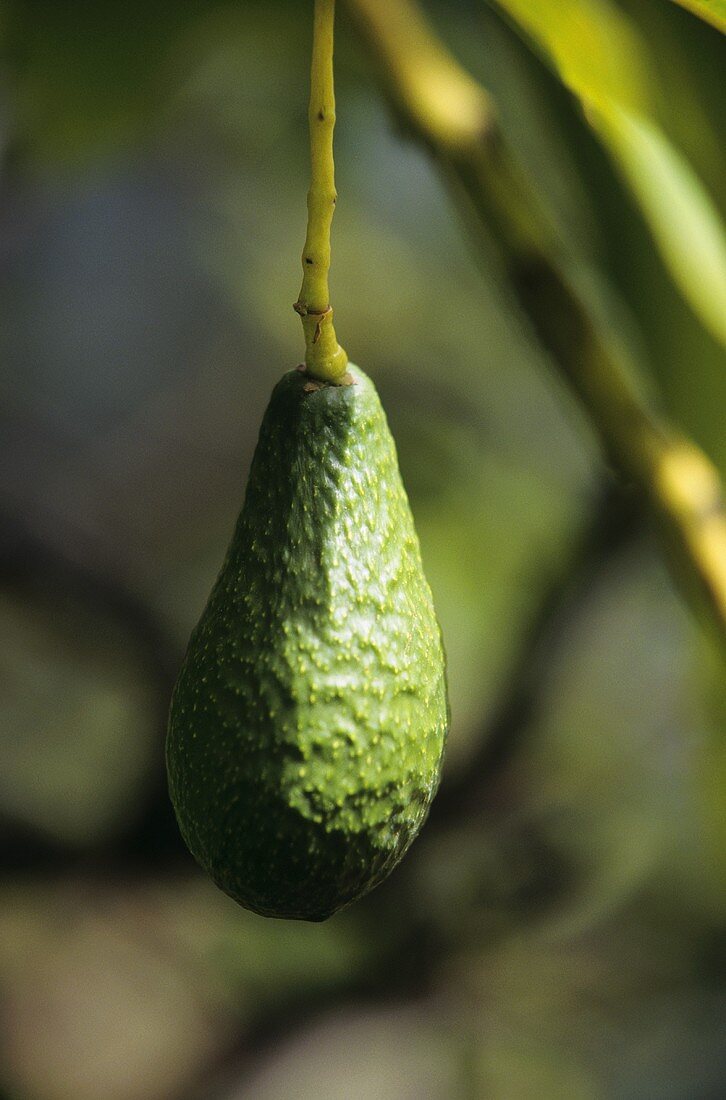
(559, 928)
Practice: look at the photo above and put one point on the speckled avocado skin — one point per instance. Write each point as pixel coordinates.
(308, 722)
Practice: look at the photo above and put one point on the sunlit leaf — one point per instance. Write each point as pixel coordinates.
(591, 44)
(713, 11)
(599, 56)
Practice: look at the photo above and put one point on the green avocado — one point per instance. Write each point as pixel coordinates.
(308, 722)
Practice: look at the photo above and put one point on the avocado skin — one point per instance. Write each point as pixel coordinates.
(308, 722)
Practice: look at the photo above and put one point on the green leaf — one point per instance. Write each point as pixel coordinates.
(591, 45)
(599, 56)
(713, 11)
(684, 222)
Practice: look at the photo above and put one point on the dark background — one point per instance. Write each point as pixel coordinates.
(558, 929)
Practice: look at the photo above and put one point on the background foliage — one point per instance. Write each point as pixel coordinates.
(558, 929)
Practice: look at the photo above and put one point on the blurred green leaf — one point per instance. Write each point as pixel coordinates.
(682, 218)
(592, 46)
(713, 11)
(600, 57)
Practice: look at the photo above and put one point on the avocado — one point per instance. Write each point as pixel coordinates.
(308, 722)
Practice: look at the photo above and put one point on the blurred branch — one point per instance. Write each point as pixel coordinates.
(566, 303)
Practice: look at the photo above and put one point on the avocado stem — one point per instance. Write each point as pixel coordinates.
(325, 359)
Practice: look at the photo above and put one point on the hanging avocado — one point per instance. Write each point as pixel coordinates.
(309, 719)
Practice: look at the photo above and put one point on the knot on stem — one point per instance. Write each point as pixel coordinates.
(304, 311)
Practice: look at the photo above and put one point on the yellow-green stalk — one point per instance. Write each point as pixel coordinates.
(325, 359)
